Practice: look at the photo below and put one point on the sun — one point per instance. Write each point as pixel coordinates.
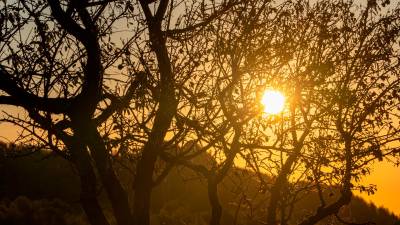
(273, 101)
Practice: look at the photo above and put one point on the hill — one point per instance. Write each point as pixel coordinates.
(181, 198)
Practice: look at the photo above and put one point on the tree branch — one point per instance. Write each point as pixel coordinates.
(20, 97)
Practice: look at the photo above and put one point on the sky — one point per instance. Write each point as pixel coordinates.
(387, 178)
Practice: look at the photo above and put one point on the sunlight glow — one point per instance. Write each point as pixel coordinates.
(273, 101)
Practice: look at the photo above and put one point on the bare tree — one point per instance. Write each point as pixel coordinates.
(59, 65)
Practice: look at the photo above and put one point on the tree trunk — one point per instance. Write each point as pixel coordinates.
(89, 201)
(276, 190)
(112, 185)
(162, 121)
(144, 185)
(216, 208)
(88, 184)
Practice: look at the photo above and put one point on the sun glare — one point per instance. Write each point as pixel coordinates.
(273, 101)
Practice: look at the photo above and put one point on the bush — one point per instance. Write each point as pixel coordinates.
(23, 211)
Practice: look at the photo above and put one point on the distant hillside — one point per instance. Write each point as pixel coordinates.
(180, 199)
(183, 197)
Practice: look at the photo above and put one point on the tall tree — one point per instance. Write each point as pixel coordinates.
(59, 65)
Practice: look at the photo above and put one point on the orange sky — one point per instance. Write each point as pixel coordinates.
(387, 178)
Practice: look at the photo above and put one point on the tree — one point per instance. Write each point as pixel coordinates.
(343, 70)
(169, 80)
(58, 64)
(219, 100)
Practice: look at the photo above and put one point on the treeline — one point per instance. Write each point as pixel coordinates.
(41, 188)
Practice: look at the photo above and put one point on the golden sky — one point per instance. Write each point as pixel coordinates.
(387, 178)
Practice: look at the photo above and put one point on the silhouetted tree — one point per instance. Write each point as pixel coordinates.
(150, 80)
(59, 65)
(342, 81)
